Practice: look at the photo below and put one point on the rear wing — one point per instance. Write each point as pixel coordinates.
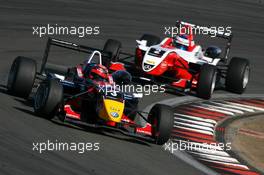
(219, 34)
(68, 45)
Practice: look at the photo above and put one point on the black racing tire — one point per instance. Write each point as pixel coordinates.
(161, 119)
(206, 81)
(151, 39)
(21, 76)
(237, 76)
(113, 47)
(47, 99)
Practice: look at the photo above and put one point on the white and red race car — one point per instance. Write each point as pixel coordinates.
(183, 65)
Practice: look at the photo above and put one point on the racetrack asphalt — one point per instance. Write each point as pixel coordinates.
(119, 19)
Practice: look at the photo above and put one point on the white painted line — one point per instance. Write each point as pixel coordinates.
(196, 118)
(205, 145)
(193, 162)
(195, 130)
(247, 106)
(232, 106)
(194, 126)
(226, 163)
(214, 157)
(223, 108)
(214, 109)
(209, 151)
(195, 122)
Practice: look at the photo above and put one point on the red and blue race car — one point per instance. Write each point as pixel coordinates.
(86, 94)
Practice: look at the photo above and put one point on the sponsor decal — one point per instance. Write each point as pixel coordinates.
(114, 114)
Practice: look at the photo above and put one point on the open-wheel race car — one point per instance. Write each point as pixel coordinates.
(185, 67)
(86, 94)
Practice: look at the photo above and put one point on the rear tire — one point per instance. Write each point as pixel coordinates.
(113, 47)
(22, 76)
(237, 75)
(161, 119)
(206, 81)
(48, 97)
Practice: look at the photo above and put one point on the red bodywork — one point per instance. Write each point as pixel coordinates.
(70, 113)
(173, 64)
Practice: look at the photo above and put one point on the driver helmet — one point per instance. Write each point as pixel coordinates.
(182, 42)
(96, 72)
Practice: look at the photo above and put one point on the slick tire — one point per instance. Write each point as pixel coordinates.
(47, 99)
(21, 76)
(238, 73)
(206, 81)
(161, 119)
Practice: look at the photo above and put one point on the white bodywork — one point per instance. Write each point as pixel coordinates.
(196, 56)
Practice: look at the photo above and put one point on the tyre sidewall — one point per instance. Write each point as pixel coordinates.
(235, 75)
(22, 76)
(53, 95)
(207, 78)
(163, 125)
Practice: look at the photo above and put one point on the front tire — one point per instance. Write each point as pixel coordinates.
(48, 97)
(237, 75)
(161, 119)
(206, 81)
(22, 76)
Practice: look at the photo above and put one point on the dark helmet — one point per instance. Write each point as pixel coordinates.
(122, 77)
(96, 72)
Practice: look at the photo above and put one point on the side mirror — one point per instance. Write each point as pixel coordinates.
(213, 52)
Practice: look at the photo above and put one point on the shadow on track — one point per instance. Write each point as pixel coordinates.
(3, 89)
